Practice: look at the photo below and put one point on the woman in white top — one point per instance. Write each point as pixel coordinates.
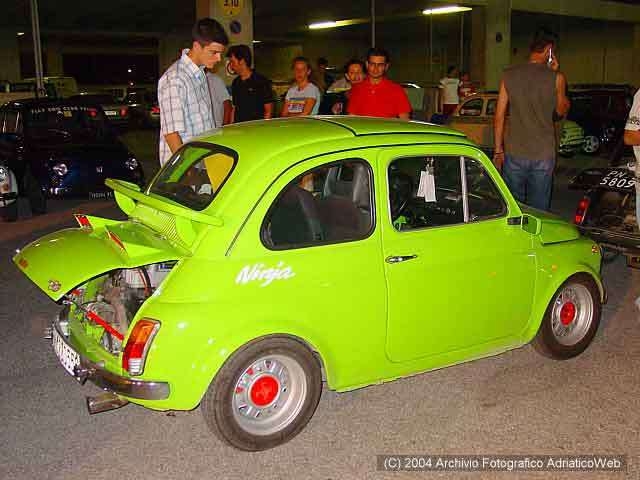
(449, 85)
(304, 97)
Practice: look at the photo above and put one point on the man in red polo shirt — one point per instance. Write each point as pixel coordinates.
(377, 96)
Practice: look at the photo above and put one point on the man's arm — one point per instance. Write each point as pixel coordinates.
(228, 112)
(170, 96)
(174, 141)
(498, 125)
(562, 102)
(268, 110)
(632, 127)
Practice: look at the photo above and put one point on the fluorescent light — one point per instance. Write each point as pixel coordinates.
(20, 34)
(256, 41)
(338, 23)
(321, 25)
(443, 10)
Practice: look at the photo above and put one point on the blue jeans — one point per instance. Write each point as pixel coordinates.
(530, 181)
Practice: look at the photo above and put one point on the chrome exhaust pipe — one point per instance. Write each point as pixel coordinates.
(104, 402)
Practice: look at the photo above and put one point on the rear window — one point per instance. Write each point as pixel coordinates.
(195, 174)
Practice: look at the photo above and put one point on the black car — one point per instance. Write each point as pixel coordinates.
(117, 111)
(601, 110)
(62, 148)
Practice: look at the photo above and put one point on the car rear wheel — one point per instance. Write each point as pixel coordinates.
(10, 212)
(591, 144)
(571, 319)
(264, 395)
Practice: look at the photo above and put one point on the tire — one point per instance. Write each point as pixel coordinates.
(263, 395)
(591, 144)
(10, 212)
(571, 319)
(37, 200)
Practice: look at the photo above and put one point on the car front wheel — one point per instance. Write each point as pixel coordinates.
(264, 395)
(571, 319)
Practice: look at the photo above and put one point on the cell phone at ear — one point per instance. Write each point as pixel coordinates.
(550, 59)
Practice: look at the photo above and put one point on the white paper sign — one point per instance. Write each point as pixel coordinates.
(427, 186)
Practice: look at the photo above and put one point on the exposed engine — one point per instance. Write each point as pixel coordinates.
(114, 299)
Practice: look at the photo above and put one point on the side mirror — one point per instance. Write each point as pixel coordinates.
(531, 224)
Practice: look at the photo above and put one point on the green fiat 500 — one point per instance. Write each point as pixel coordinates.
(268, 258)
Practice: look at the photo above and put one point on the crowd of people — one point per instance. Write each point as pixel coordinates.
(193, 100)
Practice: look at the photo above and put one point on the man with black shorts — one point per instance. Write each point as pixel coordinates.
(251, 92)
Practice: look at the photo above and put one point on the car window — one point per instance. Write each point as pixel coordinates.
(484, 198)
(425, 192)
(195, 174)
(328, 204)
(472, 108)
(491, 106)
(10, 121)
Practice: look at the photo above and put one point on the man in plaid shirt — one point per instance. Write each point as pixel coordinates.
(183, 94)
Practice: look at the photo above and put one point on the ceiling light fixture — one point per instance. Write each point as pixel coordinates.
(444, 10)
(20, 34)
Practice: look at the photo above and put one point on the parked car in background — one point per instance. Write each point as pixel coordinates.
(602, 110)
(56, 86)
(143, 108)
(117, 111)
(8, 193)
(474, 117)
(274, 255)
(62, 148)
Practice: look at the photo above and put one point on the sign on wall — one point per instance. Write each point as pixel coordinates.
(231, 8)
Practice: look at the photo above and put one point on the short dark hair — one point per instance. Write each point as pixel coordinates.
(208, 30)
(354, 61)
(241, 52)
(301, 59)
(541, 39)
(378, 52)
(323, 61)
(451, 69)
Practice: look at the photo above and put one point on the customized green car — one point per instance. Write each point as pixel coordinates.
(270, 257)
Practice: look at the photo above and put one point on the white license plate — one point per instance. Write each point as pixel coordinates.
(99, 195)
(68, 357)
(110, 113)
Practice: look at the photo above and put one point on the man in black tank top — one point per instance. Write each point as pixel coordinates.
(525, 140)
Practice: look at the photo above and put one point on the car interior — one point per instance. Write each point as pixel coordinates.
(329, 204)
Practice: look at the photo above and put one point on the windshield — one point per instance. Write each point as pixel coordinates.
(73, 119)
(195, 174)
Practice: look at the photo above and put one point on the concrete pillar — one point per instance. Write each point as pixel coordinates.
(9, 55)
(635, 69)
(53, 55)
(478, 40)
(498, 41)
(237, 18)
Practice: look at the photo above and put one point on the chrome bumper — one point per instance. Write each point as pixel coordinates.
(97, 374)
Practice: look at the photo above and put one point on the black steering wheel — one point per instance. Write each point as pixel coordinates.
(400, 191)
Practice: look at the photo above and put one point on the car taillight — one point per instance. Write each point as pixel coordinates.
(124, 111)
(155, 109)
(138, 344)
(93, 113)
(83, 221)
(581, 211)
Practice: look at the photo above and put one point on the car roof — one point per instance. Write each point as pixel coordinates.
(276, 143)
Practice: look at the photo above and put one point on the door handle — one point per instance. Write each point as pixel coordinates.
(399, 258)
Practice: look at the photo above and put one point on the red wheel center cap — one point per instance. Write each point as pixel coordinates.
(264, 390)
(567, 313)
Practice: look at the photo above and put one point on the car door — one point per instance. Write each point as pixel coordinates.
(314, 232)
(459, 273)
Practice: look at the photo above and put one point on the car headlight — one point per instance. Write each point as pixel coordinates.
(61, 169)
(131, 163)
(4, 174)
